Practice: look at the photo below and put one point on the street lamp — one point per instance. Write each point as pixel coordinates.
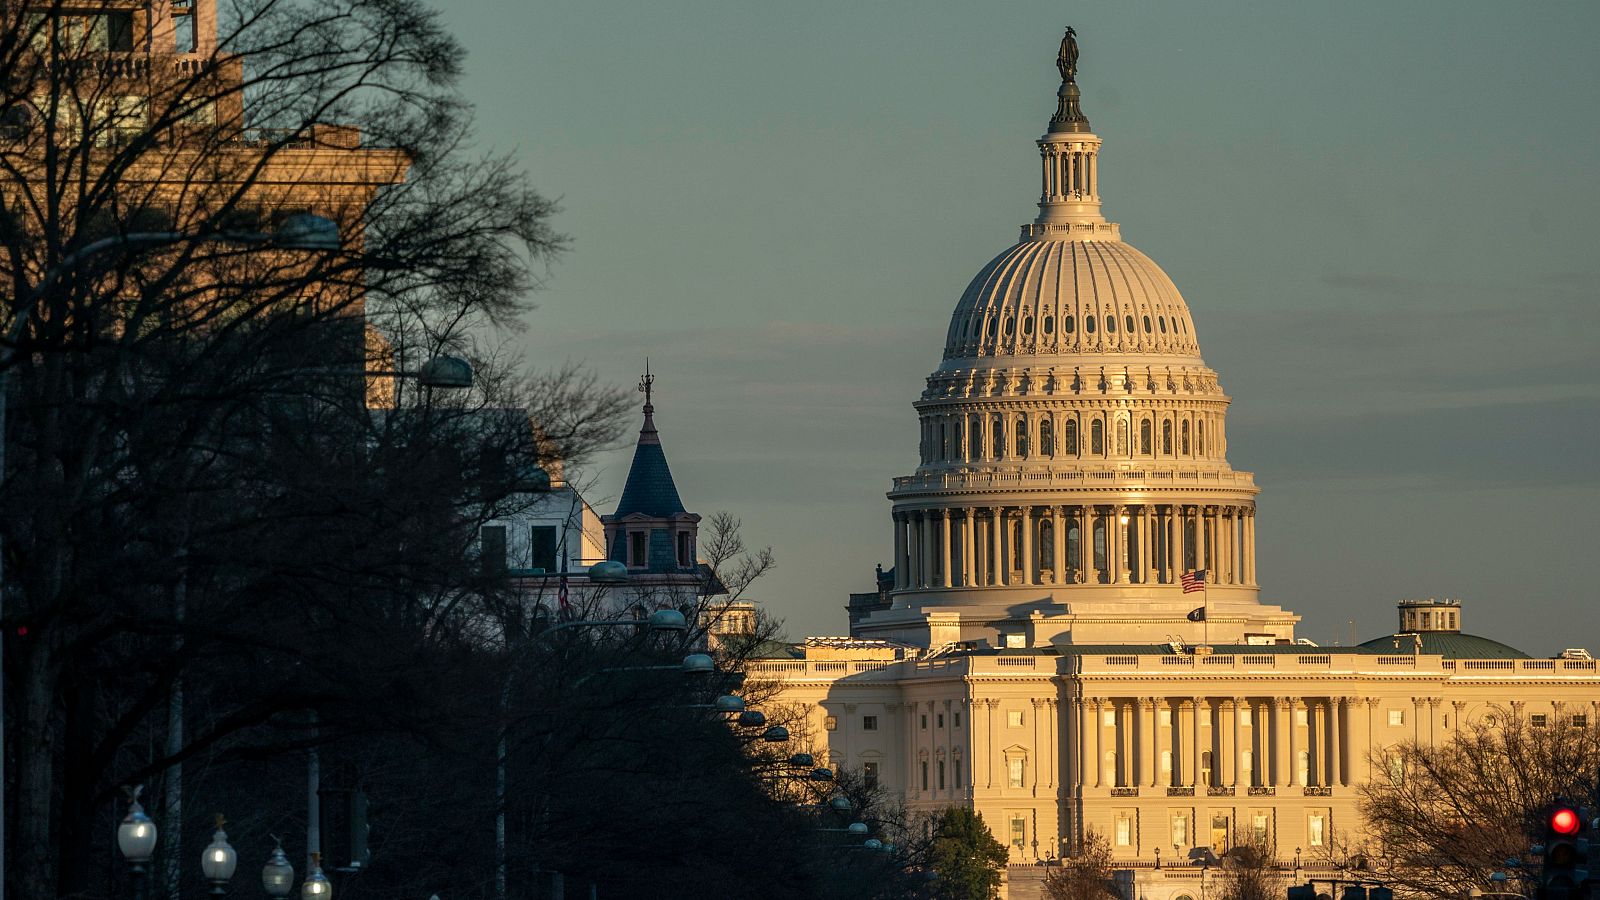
(277, 876)
(136, 838)
(218, 861)
(775, 734)
(317, 885)
(728, 703)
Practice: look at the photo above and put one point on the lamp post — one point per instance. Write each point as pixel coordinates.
(300, 231)
(317, 886)
(277, 876)
(218, 861)
(136, 838)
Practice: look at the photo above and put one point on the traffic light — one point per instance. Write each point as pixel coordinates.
(1566, 853)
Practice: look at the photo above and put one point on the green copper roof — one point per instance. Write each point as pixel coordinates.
(649, 489)
(1448, 644)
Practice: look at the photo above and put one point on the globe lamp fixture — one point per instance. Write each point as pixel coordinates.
(317, 885)
(136, 835)
(277, 876)
(219, 860)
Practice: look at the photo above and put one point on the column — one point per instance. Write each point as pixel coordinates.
(1004, 541)
(1283, 741)
(1028, 562)
(1086, 571)
(1174, 741)
(913, 551)
(1096, 729)
(1058, 537)
(1225, 525)
(1149, 726)
(968, 573)
(1174, 542)
(996, 564)
(1147, 544)
(1335, 742)
(902, 557)
(1294, 741)
(1052, 735)
(1038, 748)
(944, 548)
(1235, 705)
(1116, 553)
(1195, 749)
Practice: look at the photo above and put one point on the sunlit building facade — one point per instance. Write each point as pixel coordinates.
(1033, 652)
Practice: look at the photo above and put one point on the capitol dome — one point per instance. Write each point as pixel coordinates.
(1062, 297)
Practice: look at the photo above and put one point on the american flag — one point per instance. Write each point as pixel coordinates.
(1194, 581)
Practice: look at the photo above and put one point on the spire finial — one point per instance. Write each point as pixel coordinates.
(1068, 116)
(647, 434)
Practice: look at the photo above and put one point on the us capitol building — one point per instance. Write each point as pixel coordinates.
(1033, 653)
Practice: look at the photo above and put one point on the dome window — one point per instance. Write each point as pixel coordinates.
(1111, 324)
(1072, 437)
(994, 325)
(1166, 438)
(1088, 324)
(1069, 324)
(1049, 325)
(1027, 326)
(1011, 327)
(1128, 321)
(1146, 324)
(1047, 437)
(1097, 438)
(1163, 323)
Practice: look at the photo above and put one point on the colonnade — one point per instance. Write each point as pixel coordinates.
(1071, 170)
(1223, 745)
(1044, 545)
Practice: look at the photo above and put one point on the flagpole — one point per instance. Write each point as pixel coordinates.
(1205, 604)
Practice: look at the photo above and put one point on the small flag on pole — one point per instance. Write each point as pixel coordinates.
(1194, 581)
(1198, 614)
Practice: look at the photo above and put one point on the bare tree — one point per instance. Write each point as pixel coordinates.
(1086, 874)
(1250, 869)
(1442, 818)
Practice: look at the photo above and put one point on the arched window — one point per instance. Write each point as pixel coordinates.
(1200, 436)
(1183, 438)
(1020, 446)
(1045, 540)
(1111, 324)
(1069, 324)
(975, 437)
(1014, 537)
(1146, 324)
(1145, 430)
(1163, 323)
(1027, 326)
(1098, 535)
(958, 442)
(1011, 327)
(1166, 438)
(1074, 544)
(1088, 324)
(1097, 439)
(997, 437)
(1128, 321)
(1072, 437)
(1049, 324)
(944, 442)
(1047, 437)
(1122, 437)
(994, 327)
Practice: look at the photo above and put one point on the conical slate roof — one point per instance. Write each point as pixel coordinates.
(649, 489)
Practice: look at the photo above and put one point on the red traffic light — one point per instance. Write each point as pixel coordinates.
(1564, 821)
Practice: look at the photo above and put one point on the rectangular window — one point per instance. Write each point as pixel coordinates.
(941, 774)
(869, 774)
(1397, 717)
(638, 549)
(1538, 720)
(1124, 831)
(924, 721)
(1397, 770)
(1014, 718)
(1258, 828)
(685, 550)
(1580, 720)
(1180, 830)
(938, 720)
(542, 548)
(1016, 640)
(492, 549)
(958, 720)
(1016, 770)
(869, 723)
(830, 723)
(957, 763)
(1316, 827)
(924, 774)
(1019, 831)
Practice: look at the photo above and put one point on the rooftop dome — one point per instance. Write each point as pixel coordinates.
(1448, 644)
(1057, 297)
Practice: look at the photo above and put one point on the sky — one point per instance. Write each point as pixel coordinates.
(1381, 215)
